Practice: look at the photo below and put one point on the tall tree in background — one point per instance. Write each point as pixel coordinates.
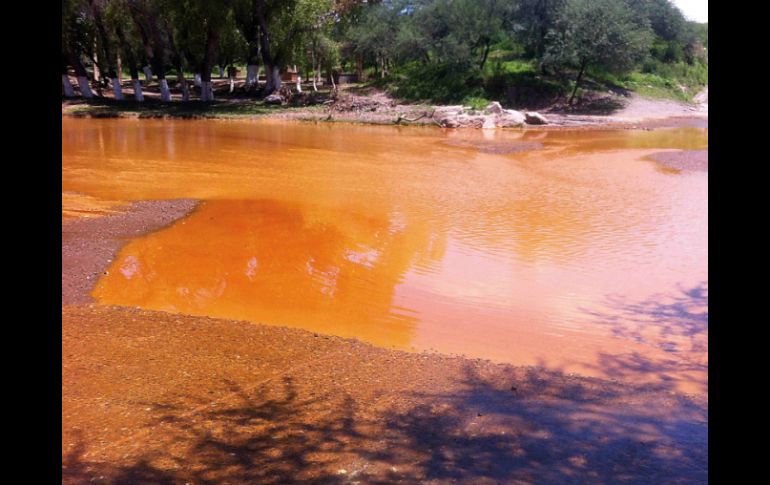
(77, 37)
(105, 42)
(600, 33)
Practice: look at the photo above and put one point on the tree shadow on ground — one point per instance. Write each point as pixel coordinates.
(528, 426)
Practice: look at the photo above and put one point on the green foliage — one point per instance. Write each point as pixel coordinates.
(438, 50)
(476, 102)
(602, 33)
(444, 83)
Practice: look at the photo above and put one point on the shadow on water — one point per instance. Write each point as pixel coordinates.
(546, 428)
(675, 323)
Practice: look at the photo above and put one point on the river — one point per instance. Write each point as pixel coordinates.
(572, 250)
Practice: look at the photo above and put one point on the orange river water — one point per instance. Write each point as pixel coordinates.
(578, 254)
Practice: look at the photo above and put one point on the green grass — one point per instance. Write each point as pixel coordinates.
(476, 102)
(677, 81)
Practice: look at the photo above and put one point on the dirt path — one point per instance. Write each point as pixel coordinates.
(153, 397)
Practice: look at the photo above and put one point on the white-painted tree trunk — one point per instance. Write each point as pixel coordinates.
(138, 90)
(299, 83)
(68, 90)
(207, 91)
(165, 93)
(331, 78)
(117, 89)
(147, 74)
(273, 75)
(85, 88)
(197, 80)
(221, 73)
(252, 75)
(232, 83)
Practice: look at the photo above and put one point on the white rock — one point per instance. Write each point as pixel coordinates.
(494, 108)
(510, 117)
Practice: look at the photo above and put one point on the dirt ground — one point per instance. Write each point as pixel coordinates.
(371, 105)
(153, 397)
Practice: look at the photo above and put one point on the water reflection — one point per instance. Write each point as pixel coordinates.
(279, 263)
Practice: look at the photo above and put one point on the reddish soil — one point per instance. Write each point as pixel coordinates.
(153, 397)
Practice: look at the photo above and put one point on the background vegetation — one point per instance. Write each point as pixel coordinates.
(430, 50)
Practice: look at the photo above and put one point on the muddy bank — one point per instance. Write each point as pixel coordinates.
(687, 160)
(155, 397)
(90, 244)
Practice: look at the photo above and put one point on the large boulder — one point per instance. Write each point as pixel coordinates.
(534, 118)
(494, 108)
(490, 122)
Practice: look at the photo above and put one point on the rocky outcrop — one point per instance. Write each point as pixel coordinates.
(493, 116)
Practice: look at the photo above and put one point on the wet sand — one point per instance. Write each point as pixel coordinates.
(685, 160)
(153, 397)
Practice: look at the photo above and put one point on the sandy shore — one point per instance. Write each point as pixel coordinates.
(153, 397)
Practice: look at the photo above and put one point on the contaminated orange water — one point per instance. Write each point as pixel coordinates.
(567, 249)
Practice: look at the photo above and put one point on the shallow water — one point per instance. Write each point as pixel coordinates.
(565, 249)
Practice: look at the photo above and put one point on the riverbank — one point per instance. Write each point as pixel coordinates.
(159, 397)
(374, 106)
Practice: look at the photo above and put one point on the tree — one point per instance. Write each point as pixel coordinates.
(77, 37)
(599, 33)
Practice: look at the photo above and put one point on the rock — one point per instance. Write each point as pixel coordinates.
(494, 108)
(510, 117)
(274, 99)
(441, 111)
(489, 123)
(534, 118)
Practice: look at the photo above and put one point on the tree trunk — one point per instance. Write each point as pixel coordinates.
(85, 87)
(273, 74)
(484, 57)
(252, 76)
(132, 64)
(165, 93)
(312, 68)
(97, 73)
(360, 69)
(68, 91)
(331, 79)
(82, 75)
(147, 74)
(197, 80)
(138, 96)
(577, 82)
(183, 82)
(212, 39)
(117, 89)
